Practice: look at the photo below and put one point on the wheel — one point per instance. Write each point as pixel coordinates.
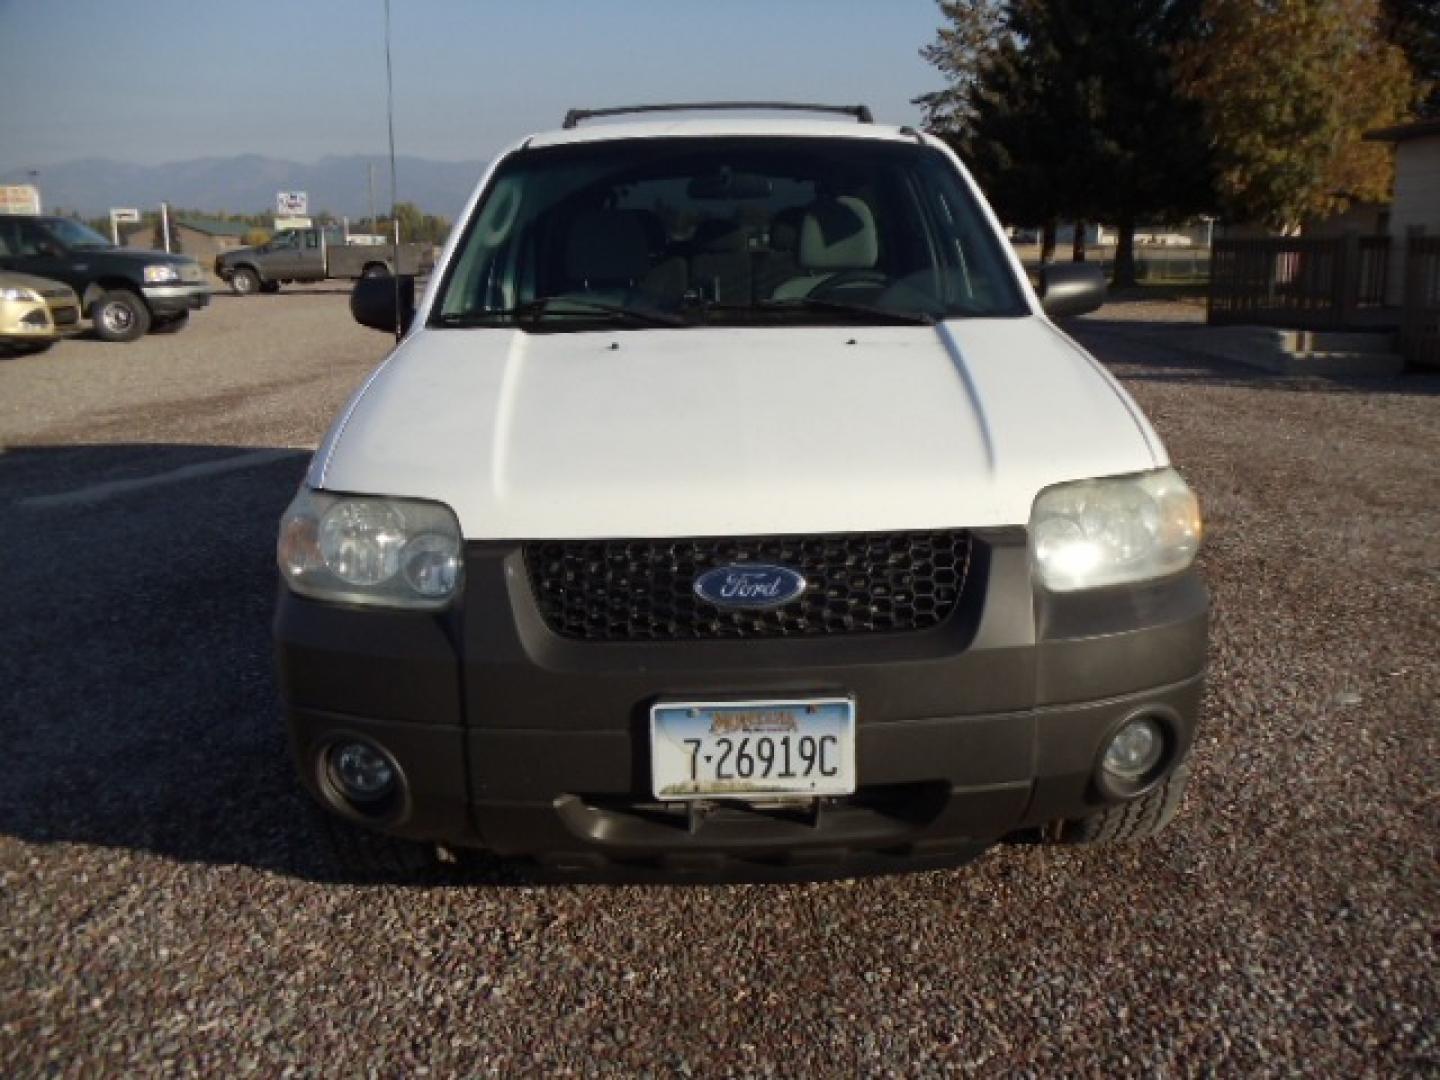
(360, 856)
(120, 315)
(170, 324)
(375, 270)
(1137, 819)
(244, 281)
(269, 287)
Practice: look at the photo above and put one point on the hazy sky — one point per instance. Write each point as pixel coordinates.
(152, 81)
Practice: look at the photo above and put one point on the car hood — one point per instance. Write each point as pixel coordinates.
(709, 432)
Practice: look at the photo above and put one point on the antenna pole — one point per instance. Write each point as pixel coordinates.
(394, 205)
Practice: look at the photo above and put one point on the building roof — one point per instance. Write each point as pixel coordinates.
(213, 227)
(1418, 129)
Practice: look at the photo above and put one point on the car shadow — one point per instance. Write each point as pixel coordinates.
(137, 699)
(1156, 352)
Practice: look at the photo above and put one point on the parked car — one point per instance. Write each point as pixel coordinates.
(126, 293)
(35, 312)
(733, 507)
(307, 255)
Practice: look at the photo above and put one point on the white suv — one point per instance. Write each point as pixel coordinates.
(732, 507)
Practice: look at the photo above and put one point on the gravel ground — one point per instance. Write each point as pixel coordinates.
(166, 904)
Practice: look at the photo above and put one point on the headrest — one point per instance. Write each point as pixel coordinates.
(714, 235)
(839, 234)
(606, 246)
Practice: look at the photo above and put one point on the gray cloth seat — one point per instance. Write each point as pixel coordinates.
(835, 235)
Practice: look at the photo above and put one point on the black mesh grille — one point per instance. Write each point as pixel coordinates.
(643, 590)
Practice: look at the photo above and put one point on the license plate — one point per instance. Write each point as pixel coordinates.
(750, 749)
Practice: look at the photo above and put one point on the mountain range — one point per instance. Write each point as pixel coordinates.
(247, 184)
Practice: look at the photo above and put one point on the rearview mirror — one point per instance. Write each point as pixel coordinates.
(373, 302)
(730, 185)
(1071, 288)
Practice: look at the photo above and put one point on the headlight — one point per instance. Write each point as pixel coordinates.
(1115, 530)
(14, 292)
(361, 549)
(158, 275)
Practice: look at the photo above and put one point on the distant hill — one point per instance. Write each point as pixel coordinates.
(247, 184)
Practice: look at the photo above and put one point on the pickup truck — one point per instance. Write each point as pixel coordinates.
(125, 293)
(307, 255)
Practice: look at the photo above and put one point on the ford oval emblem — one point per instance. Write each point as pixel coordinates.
(749, 585)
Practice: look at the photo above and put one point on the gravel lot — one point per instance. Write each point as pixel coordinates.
(167, 906)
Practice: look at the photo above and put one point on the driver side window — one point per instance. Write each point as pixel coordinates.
(31, 239)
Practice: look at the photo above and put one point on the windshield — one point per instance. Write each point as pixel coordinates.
(75, 235)
(653, 233)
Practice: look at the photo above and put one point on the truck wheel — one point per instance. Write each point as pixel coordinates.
(269, 287)
(244, 281)
(170, 324)
(1137, 819)
(360, 856)
(120, 315)
(375, 270)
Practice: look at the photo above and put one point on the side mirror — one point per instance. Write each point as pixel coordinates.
(372, 302)
(1071, 288)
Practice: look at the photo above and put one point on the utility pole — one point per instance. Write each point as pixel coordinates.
(372, 197)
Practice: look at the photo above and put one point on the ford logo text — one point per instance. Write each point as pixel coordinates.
(749, 585)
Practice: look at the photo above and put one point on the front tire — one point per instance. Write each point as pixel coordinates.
(1137, 819)
(244, 281)
(269, 287)
(120, 315)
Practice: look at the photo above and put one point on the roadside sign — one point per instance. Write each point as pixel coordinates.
(119, 217)
(19, 199)
(292, 203)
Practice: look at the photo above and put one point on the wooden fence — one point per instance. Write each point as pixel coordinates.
(1302, 282)
(1420, 320)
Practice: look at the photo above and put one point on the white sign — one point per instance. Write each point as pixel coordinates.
(123, 216)
(19, 199)
(292, 223)
(292, 203)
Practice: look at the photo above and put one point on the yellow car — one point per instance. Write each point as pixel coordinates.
(35, 312)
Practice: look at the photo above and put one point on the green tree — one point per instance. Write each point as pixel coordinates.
(1414, 26)
(1288, 90)
(1073, 110)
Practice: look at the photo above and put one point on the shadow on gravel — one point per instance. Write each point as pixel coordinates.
(1121, 342)
(137, 698)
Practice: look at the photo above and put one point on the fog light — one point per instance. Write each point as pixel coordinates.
(363, 772)
(1134, 750)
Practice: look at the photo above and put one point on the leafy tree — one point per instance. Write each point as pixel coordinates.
(1288, 89)
(1072, 110)
(1414, 26)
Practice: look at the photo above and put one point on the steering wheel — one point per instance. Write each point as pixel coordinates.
(849, 279)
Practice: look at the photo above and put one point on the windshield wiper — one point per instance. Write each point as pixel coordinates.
(568, 306)
(846, 307)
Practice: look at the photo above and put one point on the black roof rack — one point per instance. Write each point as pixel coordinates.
(860, 112)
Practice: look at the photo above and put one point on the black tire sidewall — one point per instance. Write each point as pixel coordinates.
(139, 316)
